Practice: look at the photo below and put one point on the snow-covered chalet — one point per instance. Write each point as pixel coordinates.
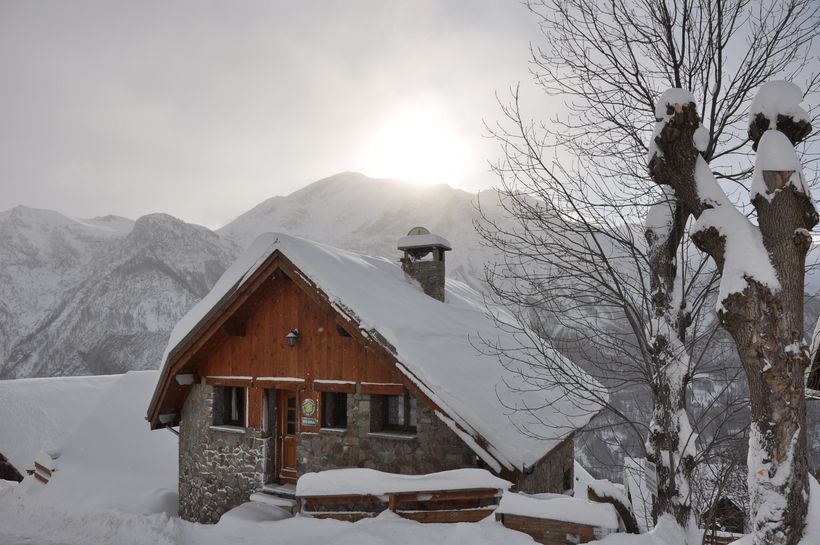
(304, 357)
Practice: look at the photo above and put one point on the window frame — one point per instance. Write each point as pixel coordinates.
(407, 405)
(223, 417)
(325, 405)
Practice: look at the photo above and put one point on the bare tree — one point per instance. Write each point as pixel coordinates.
(762, 286)
(631, 303)
(576, 265)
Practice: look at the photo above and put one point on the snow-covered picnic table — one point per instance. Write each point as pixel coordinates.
(559, 507)
(458, 495)
(370, 482)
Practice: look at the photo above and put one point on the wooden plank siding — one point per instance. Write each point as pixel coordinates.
(321, 352)
(552, 532)
(434, 506)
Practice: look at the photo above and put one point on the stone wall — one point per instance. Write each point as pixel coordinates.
(430, 274)
(433, 448)
(218, 469)
(548, 475)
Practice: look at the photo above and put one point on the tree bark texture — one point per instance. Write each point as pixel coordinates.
(766, 324)
(669, 441)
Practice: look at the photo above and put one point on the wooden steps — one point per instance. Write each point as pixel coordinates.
(282, 496)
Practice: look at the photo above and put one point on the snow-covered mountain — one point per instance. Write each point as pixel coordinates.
(43, 254)
(367, 215)
(101, 296)
(113, 310)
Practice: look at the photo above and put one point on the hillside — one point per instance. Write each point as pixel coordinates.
(100, 296)
(367, 215)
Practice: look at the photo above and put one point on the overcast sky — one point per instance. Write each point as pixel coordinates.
(204, 109)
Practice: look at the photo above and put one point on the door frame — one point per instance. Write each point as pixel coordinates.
(284, 474)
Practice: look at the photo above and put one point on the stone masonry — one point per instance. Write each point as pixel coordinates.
(218, 469)
(433, 448)
(430, 274)
(554, 472)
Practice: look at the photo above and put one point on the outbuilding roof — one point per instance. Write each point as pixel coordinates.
(438, 346)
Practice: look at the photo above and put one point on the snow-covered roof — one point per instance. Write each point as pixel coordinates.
(39, 413)
(111, 460)
(436, 346)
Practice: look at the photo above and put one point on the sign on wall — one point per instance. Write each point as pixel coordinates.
(309, 412)
(308, 407)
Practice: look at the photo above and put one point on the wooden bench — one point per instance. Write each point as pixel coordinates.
(553, 532)
(463, 505)
(720, 538)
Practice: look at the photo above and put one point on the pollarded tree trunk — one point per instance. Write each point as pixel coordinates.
(760, 305)
(670, 442)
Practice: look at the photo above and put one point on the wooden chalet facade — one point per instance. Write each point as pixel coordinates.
(274, 377)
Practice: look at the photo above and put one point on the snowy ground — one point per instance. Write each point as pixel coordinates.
(116, 481)
(24, 522)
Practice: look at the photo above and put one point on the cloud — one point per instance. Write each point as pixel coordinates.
(203, 109)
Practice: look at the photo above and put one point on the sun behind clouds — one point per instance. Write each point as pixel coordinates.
(418, 144)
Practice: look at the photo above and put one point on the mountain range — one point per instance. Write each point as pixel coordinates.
(98, 296)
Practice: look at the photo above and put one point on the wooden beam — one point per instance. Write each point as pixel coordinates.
(553, 531)
(382, 389)
(447, 515)
(280, 383)
(347, 516)
(334, 386)
(447, 495)
(341, 499)
(238, 382)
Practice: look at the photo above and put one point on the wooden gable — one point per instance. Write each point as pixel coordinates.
(322, 351)
(242, 342)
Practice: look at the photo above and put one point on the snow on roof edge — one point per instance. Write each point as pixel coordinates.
(313, 259)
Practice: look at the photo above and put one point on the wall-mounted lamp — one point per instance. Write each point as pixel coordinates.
(292, 337)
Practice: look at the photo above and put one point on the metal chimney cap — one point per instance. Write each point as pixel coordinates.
(419, 237)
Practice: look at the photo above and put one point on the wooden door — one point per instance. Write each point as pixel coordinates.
(286, 435)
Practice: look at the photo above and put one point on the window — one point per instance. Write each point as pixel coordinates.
(568, 479)
(393, 413)
(334, 410)
(229, 406)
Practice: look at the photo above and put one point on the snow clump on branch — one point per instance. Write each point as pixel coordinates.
(778, 98)
(670, 97)
(776, 159)
(746, 257)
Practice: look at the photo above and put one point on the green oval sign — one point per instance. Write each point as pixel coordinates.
(308, 407)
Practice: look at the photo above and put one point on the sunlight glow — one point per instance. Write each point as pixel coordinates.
(416, 144)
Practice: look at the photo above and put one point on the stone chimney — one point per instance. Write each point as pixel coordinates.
(424, 259)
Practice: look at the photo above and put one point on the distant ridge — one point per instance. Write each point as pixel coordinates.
(100, 295)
